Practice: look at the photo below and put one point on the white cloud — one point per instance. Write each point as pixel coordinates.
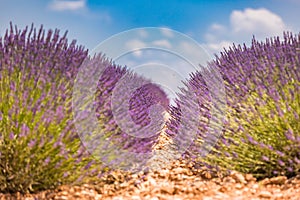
(194, 53)
(162, 67)
(167, 32)
(243, 24)
(209, 37)
(79, 7)
(142, 33)
(135, 45)
(217, 27)
(63, 5)
(214, 47)
(259, 21)
(162, 43)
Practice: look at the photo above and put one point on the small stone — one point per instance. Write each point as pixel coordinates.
(117, 198)
(220, 195)
(229, 180)
(61, 198)
(177, 198)
(166, 189)
(29, 198)
(63, 188)
(238, 186)
(98, 197)
(65, 193)
(250, 177)
(278, 180)
(238, 192)
(255, 186)
(207, 198)
(86, 186)
(252, 190)
(266, 181)
(265, 194)
(152, 181)
(223, 189)
(238, 177)
(278, 196)
(76, 188)
(189, 190)
(72, 190)
(136, 198)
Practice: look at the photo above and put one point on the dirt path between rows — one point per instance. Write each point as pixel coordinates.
(179, 181)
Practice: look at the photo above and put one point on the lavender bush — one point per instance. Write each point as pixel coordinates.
(261, 130)
(114, 142)
(141, 100)
(39, 148)
(39, 145)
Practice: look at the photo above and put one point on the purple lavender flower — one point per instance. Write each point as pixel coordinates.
(47, 160)
(281, 154)
(24, 130)
(88, 165)
(66, 174)
(289, 135)
(262, 87)
(11, 136)
(281, 163)
(265, 158)
(251, 139)
(37, 70)
(140, 102)
(31, 143)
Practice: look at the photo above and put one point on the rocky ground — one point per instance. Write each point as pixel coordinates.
(179, 181)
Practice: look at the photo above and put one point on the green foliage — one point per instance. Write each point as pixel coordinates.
(39, 147)
(261, 135)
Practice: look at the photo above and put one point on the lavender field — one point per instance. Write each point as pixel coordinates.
(42, 154)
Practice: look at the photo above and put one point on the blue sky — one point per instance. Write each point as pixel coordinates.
(214, 24)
